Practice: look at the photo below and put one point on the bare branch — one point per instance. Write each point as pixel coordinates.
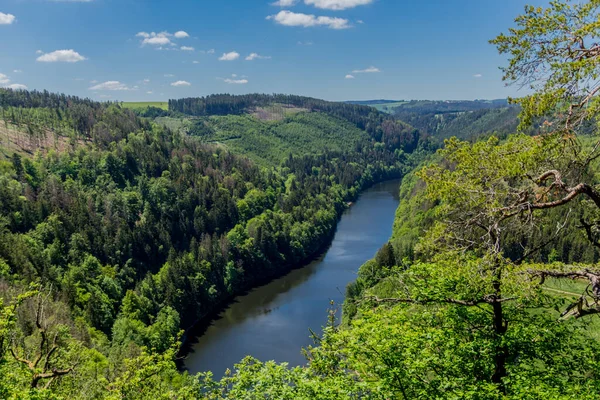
(592, 276)
(488, 299)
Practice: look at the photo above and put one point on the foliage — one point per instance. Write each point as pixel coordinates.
(363, 117)
(469, 125)
(554, 52)
(137, 231)
(140, 236)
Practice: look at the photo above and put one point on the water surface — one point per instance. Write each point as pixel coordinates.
(272, 321)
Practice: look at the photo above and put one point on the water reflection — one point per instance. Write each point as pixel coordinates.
(272, 322)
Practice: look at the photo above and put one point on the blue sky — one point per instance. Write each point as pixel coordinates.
(143, 50)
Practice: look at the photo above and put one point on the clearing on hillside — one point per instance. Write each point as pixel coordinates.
(19, 140)
(145, 104)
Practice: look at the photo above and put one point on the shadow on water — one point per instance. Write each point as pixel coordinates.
(256, 301)
(272, 322)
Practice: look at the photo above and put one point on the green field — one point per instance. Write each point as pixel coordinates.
(145, 104)
(387, 107)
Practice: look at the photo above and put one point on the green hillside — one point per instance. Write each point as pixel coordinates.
(141, 105)
(270, 128)
(273, 141)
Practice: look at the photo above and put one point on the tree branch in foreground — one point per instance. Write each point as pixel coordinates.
(489, 299)
(582, 306)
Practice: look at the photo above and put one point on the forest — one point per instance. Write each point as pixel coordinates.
(118, 233)
(121, 228)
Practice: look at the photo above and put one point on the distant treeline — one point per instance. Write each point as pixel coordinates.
(43, 99)
(449, 106)
(369, 102)
(104, 121)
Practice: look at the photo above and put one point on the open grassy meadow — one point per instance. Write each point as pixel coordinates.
(145, 104)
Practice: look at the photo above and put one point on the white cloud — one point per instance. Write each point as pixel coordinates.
(477, 76)
(195, 62)
(5, 81)
(360, 21)
(337, 4)
(39, 52)
(256, 56)
(211, 51)
(305, 43)
(289, 18)
(17, 86)
(370, 70)
(236, 81)
(349, 76)
(18, 71)
(285, 3)
(70, 56)
(181, 35)
(161, 38)
(155, 39)
(181, 83)
(146, 81)
(231, 56)
(186, 48)
(149, 92)
(6, 19)
(111, 85)
(169, 75)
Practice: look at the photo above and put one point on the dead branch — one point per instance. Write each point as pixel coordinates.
(45, 352)
(488, 299)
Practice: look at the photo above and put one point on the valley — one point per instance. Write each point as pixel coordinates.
(193, 207)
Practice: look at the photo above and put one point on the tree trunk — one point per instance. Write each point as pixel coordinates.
(501, 351)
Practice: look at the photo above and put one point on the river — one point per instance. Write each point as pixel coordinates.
(272, 322)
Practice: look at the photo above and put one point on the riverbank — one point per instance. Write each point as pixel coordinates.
(272, 321)
(199, 326)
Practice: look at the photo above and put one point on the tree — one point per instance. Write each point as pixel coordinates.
(490, 192)
(385, 256)
(48, 361)
(556, 52)
(18, 166)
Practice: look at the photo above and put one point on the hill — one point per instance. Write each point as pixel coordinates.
(273, 141)
(469, 120)
(443, 119)
(270, 128)
(132, 228)
(431, 106)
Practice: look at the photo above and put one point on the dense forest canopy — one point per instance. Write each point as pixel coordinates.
(131, 232)
(118, 229)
